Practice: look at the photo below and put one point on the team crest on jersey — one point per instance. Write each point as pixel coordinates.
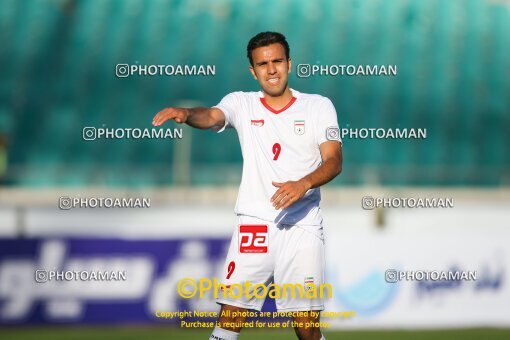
(257, 122)
(299, 127)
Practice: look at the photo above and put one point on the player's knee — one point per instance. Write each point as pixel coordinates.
(308, 333)
(231, 318)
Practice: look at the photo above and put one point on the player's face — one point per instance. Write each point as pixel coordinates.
(271, 68)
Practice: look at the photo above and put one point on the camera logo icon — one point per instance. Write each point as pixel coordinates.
(65, 203)
(368, 203)
(41, 276)
(89, 133)
(122, 70)
(333, 133)
(304, 70)
(391, 275)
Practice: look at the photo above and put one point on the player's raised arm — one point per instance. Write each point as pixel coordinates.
(197, 117)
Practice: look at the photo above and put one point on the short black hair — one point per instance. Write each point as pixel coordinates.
(265, 39)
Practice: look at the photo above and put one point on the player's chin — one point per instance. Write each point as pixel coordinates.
(274, 91)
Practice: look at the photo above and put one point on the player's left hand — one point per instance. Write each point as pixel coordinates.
(288, 193)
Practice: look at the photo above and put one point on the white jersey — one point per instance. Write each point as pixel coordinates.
(279, 146)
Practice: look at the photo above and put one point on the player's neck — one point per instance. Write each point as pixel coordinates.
(277, 103)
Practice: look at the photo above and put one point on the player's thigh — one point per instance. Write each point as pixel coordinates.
(301, 266)
(244, 272)
(242, 265)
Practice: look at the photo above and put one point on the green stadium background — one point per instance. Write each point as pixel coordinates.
(58, 61)
(57, 76)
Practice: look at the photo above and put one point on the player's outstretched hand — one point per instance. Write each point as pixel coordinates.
(288, 193)
(178, 114)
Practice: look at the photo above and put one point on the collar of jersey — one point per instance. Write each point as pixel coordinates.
(266, 105)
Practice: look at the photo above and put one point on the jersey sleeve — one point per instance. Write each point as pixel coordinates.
(327, 127)
(230, 106)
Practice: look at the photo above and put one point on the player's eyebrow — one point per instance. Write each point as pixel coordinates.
(265, 62)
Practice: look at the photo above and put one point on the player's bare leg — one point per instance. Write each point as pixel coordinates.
(231, 317)
(229, 323)
(308, 331)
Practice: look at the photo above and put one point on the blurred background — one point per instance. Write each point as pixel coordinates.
(58, 75)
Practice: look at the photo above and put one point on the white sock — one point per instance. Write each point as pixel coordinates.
(223, 334)
(322, 337)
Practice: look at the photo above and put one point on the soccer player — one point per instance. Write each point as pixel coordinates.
(291, 146)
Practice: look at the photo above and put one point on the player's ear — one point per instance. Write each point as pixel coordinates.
(253, 72)
(289, 61)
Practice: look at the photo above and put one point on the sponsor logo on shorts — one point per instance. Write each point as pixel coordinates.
(253, 239)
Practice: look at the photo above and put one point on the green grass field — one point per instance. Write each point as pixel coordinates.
(156, 333)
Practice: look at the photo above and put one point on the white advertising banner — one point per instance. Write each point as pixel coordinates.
(457, 279)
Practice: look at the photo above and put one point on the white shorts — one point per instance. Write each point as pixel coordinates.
(261, 252)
